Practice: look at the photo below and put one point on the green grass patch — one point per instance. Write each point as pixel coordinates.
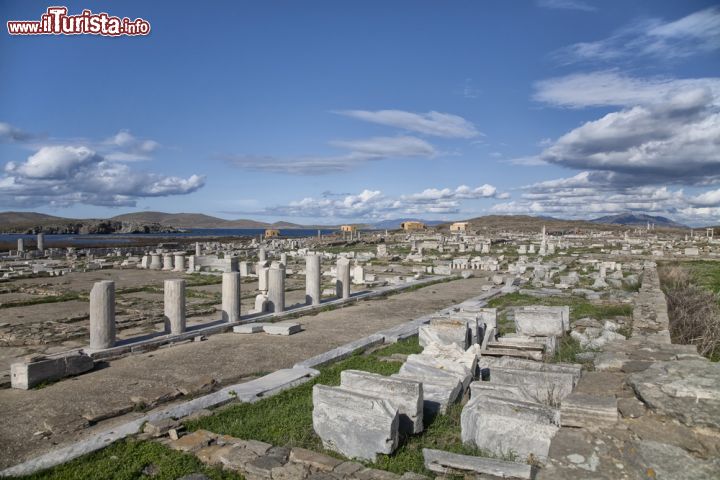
(286, 419)
(579, 306)
(131, 459)
(66, 297)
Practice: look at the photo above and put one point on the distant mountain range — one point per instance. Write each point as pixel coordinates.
(22, 222)
(638, 219)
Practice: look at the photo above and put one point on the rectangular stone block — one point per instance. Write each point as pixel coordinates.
(403, 394)
(583, 410)
(446, 332)
(506, 427)
(30, 374)
(282, 328)
(353, 424)
(249, 328)
(549, 388)
(540, 320)
(447, 463)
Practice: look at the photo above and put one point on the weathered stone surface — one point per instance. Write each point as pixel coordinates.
(249, 328)
(236, 457)
(160, 427)
(315, 460)
(404, 395)
(583, 410)
(346, 469)
(193, 441)
(29, 374)
(290, 471)
(631, 407)
(450, 367)
(688, 390)
(493, 389)
(447, 463)
(661, 461)
(356, 425)
(507, 426)
(549, 388)
(446, 332)
(282, 328)
(438, 392)
(211, 455)
(261, 467)
(570, 368)
(540, 320)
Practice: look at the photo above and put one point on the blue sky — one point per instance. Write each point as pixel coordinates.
(326, 111)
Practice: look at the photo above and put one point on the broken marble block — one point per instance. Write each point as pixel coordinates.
(583, 410)
(282, 328)
(499, 390)
(440, 388)
(445, 331)
(509, 427)
(548, 388)
(452, 367)
(470, 318)
(403, 394)
(354, 424)
(573, 369)
(447, 463)
(542, 321)
(26, 375)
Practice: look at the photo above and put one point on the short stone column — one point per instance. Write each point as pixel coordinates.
(243, 268)
(342, 284)
(174, 306)
(41, 242)
(155, 261)
(262, 256)
(21, 245)
(102, 315)
(276, 288)
(283, 259)
(262, 273)
(179, 262)
(231, 297)
(167, 261)
(198, 250)
(312, 279)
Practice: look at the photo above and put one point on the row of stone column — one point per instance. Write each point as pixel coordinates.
(271, 279)
(40, 243)
(102, 308)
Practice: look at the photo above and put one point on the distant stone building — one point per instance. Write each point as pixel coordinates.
(459, 227)
(412, 225)
(271, 232)
(348, 228)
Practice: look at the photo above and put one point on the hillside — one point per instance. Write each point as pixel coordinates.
(394, 224)
(526, 223)
(638, 220)
(187, 220)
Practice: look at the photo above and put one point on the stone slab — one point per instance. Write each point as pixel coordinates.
(447, 463)
(282, 328)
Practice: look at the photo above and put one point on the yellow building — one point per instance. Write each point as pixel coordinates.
(271, 232)
(459, 227)
(348, 228)
(409, 226)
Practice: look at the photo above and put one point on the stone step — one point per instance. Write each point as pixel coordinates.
(583, 410)
(511, 352)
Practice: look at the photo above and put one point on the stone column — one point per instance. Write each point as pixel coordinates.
(41, 242)
(243, 267)
(167, 261)
(179, 262)
(174, 306)
(231, 297)
(276, 288)
(155, 262)
(102, 315)
(262, 273)
(21, 245)
(262, 256)
(342, 284)
(198, 250)
(283, 259)
(312, 280)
